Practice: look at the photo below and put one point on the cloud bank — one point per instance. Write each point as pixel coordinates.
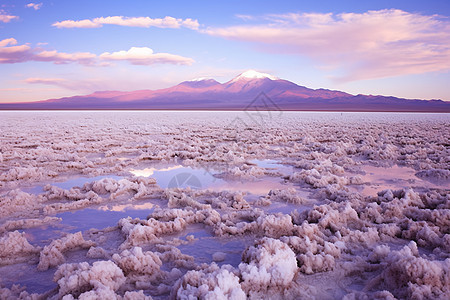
(146, 56)
(166, 22)
(369, 45)
(11, 53)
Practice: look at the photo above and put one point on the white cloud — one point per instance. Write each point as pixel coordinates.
(146, 56)
(6, 42)
(6, 18)
(11, 53)
(367, 45)
(166, 22)
(77, 24)
(36, 6)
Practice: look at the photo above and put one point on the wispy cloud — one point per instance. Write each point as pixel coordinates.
(146, 56)
(73, 85)
(367, 45)
(50, 81)
(11, 53)
(84, 58)
(166, 22)
(36, 6)
(6, 18)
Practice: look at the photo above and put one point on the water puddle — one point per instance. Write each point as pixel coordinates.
(70, 183)
(396, 177)
(179, 176)
(274, 165)
(207, 248)
(87, 218)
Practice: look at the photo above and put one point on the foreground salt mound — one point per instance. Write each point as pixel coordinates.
(16, 201)
(268, 264)
(138, 265)
(211, 282)
(83, 281)
(414, 277)
(15, 248)
(287, 195)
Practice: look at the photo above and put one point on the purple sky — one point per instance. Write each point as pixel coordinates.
(52, 49)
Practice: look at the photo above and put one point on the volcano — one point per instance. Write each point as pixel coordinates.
(250, 90)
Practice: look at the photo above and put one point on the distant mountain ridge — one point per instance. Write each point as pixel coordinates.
(237, 94)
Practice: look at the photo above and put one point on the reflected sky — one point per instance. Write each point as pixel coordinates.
(147, 172)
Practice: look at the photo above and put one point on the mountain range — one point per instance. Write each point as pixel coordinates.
(250, 90)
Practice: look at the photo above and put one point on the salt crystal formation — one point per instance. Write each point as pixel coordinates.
(328, 231)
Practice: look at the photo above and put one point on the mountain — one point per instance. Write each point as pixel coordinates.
(250, 90)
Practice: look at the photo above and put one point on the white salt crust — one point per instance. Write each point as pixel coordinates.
(391, 244)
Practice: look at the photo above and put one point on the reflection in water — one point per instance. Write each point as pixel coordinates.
(271, 164)
(180, 176)
(260, 187)
(147, 172)
(185, 180)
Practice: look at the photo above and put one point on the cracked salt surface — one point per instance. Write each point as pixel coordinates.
(304, 206)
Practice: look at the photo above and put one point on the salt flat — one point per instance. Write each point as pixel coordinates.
(139, 204)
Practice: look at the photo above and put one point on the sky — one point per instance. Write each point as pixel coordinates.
(53, 49)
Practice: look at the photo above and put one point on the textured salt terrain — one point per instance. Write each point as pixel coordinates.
(215, 205)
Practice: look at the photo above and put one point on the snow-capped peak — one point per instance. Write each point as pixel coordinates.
(252, 74)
